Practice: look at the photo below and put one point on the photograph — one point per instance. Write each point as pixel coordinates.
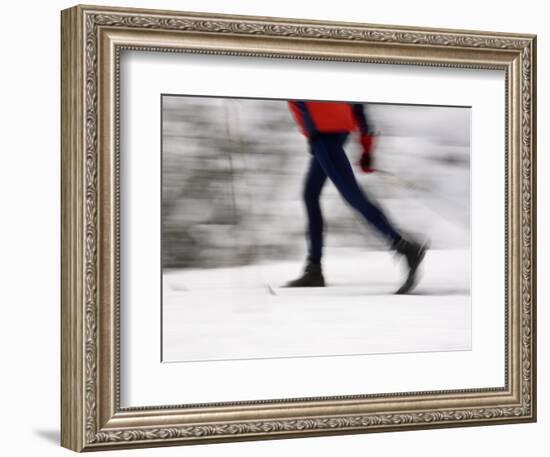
(295, 228)
(275, 228)
(281, 228)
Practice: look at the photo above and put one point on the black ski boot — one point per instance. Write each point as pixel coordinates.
(414, 254)
(312, 277)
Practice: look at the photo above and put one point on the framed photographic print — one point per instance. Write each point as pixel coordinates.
(276, 228)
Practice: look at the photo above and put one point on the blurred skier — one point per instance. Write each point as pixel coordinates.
(327, 126)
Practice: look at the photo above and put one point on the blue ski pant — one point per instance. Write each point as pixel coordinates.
(329, 160)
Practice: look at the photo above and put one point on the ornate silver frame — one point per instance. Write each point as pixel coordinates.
(92, 40)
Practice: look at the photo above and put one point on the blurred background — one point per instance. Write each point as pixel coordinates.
(233, 171)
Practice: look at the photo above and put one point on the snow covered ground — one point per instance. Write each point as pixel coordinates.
(242, 313)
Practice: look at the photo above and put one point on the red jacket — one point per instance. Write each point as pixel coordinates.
(327, 117)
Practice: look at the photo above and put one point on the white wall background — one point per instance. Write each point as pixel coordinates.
(29, 241)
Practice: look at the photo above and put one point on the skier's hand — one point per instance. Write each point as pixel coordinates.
(367, 142)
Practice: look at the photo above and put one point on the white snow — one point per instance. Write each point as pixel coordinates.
(242, 313)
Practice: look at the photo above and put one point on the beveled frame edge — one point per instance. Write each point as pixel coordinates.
(91, 416)
(72, 220)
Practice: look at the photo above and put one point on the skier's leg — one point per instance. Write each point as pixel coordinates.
(313, 185)
(328, 150)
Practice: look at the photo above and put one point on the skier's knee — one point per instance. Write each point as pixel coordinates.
(310, 194)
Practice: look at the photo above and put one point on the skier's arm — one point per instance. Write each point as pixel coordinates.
(366, 137)
(307, 120)
(360, 118)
